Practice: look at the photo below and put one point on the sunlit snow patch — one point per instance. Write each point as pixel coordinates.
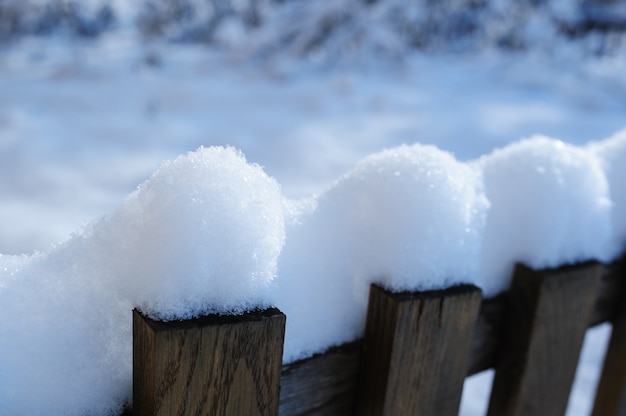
(612, 152)
(409, 218)
(202, 235)
(549, 206)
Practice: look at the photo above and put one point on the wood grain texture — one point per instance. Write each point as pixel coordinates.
(548, 314)
(486, 346)
(611, 395)
(317, 398)
(321, 385)
(326, 383)
(488, 334)
(415, 351)
(215, 365)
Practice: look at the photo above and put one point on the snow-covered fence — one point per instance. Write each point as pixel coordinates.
(414, 227)
(210, 234)
(544, 313)
(417, 350)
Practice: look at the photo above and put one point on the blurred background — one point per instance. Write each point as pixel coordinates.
(95, 94)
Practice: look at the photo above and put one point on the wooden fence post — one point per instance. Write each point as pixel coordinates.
(548, 314)
(214, 365)
(416, 350)
(611, 393)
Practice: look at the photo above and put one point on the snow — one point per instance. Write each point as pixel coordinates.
(202, 235)
(396, 219)
(64, 344)
(82, 124)
(550, 206)
(612, 152)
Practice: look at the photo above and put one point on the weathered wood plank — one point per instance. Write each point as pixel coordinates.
(326, 383)
(214, 365)
(609, 293)
(321, 385)
(611, 394)
(415, 351)
(486, 344)
(488, 334)
(490, 326)
(548, 314)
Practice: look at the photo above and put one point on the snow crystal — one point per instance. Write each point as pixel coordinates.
(408, 218)
(549, 206)
(202, 235)
(66, 346)
(613, 154)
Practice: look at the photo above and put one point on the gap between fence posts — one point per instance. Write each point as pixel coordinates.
(213, 365)
(548, 314)
(416, 350)
(611, 394)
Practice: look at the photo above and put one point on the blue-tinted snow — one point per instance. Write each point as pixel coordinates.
(82, 125)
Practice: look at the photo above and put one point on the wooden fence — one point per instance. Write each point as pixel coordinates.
(416, 352)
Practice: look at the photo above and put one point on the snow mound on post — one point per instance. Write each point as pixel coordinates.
(408, 218)
(549, 206)
(413, 218)
(612, 152)
(66, 343)
(203, 235)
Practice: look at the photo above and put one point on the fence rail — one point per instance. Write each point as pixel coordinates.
(417, 349)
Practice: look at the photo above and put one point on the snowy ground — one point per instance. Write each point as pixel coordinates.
(82, 125)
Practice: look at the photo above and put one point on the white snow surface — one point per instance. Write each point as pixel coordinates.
(202, 235)
(397, 219)
(65, 348)
(612, 152)
(550, 206)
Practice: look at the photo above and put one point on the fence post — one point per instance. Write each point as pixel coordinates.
(416, 350)
(548, 314)
(611, 394)
(213, 365)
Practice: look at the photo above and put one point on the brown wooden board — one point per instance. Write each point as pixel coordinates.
(548, 314)
(214, 365)
(326, 383)
(488, 334)
(486, 346)
(321, 385)
(611, 394)
(415, 351)
(609, 293)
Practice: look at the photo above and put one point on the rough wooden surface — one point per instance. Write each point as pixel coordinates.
(415, 351)
(216, 365)
(321, 385)
(488, 334)
(611, 395)
(547, 317)
(486, 344)
(326, 383)
(609, 293)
